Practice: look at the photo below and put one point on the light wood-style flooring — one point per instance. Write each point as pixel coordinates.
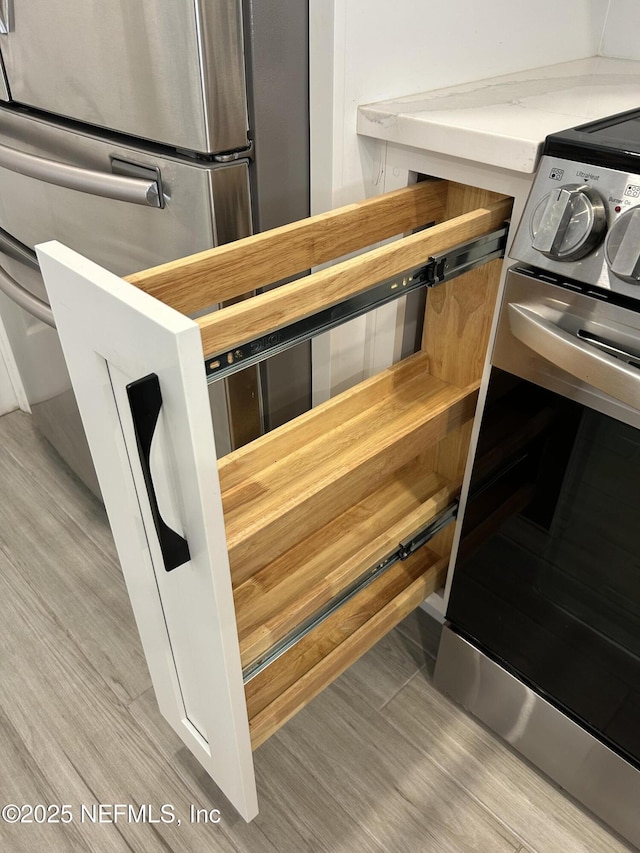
(379, 762)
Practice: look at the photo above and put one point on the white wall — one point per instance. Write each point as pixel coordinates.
(371, 50)
(621, 36)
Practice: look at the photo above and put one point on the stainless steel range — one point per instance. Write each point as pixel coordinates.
(582, 219)
(542, 640)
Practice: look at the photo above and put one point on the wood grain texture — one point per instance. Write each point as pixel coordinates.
(195, 282)
(263, 314)
(458, 315)
(448, 458)
(295, 586)
(457, 325)
(463, 197)
(449, 455)
(293, 496)
(316, 661)
(112, 333)
(247, 462)
(65, 736)
(293, 807)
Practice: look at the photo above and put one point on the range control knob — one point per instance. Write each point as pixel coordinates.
(622, 248)
(569, 223)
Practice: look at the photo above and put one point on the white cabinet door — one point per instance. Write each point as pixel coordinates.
(185, 615)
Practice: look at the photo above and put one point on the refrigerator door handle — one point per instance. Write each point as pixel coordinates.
(17, 250)
(134, 190)
(6, 16)
(21, 296)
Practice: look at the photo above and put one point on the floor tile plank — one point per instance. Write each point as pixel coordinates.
(543, 817)
(293, 809)
(423, 630)
(85, 746)
(379, 762)
(376, 773)
(59, 541)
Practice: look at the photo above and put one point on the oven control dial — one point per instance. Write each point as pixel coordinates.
(622, 248)
(569, 223)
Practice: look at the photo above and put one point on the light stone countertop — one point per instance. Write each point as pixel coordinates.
(503, 121)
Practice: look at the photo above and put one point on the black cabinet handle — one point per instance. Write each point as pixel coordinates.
(145, 401)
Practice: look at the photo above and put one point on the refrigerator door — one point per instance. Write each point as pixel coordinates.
(4, 89)
(278, 74)
(203, 205)
(39, 357)
(168, 72)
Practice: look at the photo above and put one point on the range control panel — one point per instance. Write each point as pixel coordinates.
(583, 222)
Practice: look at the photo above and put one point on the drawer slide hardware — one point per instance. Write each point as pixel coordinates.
(438, 269)
(404, 550)
(410, 546)
(467, 256)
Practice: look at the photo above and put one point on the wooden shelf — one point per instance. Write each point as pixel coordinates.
(288, 484)
(216, 275)
(312, 507)
(306, 514)
(265, 313)
(298, 584)
(281, 690)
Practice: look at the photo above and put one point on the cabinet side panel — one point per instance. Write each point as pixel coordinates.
(111, 334)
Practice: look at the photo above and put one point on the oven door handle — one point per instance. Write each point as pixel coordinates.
(580, 360)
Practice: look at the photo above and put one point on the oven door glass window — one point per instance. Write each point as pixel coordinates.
(548, 576)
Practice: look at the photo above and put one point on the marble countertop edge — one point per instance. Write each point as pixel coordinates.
(491, 147)
(503, 121)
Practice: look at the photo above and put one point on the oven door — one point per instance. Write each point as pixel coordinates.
(548, 576)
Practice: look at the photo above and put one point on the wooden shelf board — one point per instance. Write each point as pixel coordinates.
(219, 274)
(280, 306)
(286, 686)
(298, 584)
(324, 463)
(249, 461)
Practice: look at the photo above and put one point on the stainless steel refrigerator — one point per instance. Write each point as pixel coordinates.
(137, 133)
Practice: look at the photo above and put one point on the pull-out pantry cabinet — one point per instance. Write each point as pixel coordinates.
(257, 579)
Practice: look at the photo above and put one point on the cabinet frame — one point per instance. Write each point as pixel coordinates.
(245, 522)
